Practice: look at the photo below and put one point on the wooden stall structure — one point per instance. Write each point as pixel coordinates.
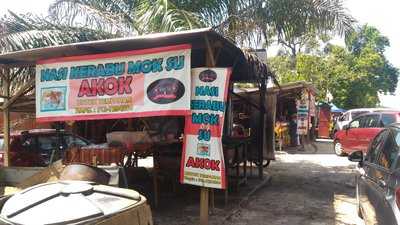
(287, 113)
(245, 112)
(208, 49)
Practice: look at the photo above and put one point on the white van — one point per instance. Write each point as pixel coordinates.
(349, 115)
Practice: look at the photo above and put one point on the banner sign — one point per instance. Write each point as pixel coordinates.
(149, 82)
(302, 113)
(202, 157)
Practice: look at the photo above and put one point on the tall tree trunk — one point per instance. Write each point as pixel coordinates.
(232, 13)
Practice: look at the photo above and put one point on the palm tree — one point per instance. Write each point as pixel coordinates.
(21, 32)
(298, 22)
(250, 22)
(290, 23)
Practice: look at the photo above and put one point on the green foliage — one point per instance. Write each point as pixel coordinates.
(20, 32)
(366, 37)
(301, 24)
(294, 23)
(353, 75)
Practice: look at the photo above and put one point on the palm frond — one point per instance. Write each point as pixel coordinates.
(112, 16)
(20, 32)
(165, 16)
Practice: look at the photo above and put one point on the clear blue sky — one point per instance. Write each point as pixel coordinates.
(382, 14)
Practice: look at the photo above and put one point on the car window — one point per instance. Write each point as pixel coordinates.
(376, 146)
(356, 123)
(28, 143)
(346, 117)
(388, 119)
(388, 153)
(47, 142)
(74, 140)
(371, 121)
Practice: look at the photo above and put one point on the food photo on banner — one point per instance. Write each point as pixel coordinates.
(202, 157)
(139, 83)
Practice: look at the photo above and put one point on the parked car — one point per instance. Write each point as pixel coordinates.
(357, 135)
(35, 147)
(351, 114)
(378, 184)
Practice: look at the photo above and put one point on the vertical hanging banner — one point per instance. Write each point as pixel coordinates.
(138, 83)
(202, 158)
(302, 113)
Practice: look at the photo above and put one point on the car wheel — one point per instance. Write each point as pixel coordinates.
(337, 146)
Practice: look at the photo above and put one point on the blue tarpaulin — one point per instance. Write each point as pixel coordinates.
(335, 109)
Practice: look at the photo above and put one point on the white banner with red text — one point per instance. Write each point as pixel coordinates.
(139, 83)
(202, 157)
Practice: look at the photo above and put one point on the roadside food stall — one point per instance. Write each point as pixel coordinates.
(185, 78)
(295, 113)
(244, 112)
(328, 115)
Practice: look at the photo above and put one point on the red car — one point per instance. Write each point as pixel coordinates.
(35, 147)
(357, 135)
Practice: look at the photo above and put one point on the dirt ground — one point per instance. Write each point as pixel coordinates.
(307, 188)
(312, 187)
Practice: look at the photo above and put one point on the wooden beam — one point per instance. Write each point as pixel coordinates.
(90, 49)
(246, 100)
(27, 87)
(210, 60)
(17, 64)
(25, 103)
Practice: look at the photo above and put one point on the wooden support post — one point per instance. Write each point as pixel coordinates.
(155, 179)
(6, 118)
(204, 206)
(86, 132)
(263, 90)
(130, 124)
(94, 161)
(204, 191)
(6, 131)
(212, 200)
